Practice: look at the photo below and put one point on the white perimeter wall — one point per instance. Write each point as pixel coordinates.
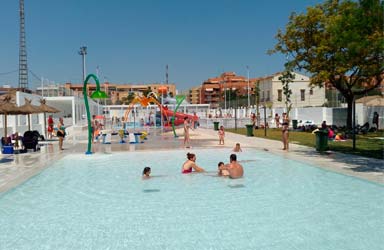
(71, 107)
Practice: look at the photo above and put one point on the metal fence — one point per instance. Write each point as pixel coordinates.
(226, 122)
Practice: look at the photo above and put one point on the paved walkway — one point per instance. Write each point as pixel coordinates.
(15, 169)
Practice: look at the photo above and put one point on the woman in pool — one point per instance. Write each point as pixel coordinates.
(146, 173)
(191, 164)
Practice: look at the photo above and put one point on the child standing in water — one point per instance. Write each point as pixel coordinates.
(221, 135)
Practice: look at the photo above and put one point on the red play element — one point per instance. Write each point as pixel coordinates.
(179, 117)
(144, 101)
(162, 90)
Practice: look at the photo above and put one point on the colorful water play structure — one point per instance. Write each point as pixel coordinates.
(171, 117)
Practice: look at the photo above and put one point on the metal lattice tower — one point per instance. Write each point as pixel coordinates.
(23, 65)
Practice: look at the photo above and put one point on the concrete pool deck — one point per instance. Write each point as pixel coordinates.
(17, 168)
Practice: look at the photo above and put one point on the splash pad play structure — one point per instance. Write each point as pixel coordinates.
(165, 116)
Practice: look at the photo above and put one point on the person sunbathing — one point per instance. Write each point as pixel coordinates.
(339, 137)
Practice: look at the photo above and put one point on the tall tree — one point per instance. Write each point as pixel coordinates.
(147, 91)
(257, 101)
(339, 42)
(127, 100)
(286, 78)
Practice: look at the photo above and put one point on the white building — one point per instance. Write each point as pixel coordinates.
(72, 110)
(271, 90)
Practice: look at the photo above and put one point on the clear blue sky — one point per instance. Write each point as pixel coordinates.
(132, 41)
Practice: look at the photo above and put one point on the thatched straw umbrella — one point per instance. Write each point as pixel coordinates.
(27, 108)
(8, 108)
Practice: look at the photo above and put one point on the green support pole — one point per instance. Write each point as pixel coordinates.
(179, 100)
(96, 94)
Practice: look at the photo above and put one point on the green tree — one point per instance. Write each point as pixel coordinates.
(339, 42)
(147, 91)
(286, 78)
(128, 99)
(257, 101)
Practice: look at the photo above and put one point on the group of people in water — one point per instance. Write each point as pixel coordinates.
(232, 170)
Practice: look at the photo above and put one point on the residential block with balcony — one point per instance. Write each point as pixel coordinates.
(212, 90)
(194, 95)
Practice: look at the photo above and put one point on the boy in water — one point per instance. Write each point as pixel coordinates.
(146, 173)
(222, 172)
(237, 148)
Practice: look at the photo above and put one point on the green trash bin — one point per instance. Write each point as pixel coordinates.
(215, 125)
(294, 124)
(321, 140)
(249, 129)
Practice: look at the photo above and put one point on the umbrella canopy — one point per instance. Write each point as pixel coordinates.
(46, 108)
(28, 108)
(8, 108)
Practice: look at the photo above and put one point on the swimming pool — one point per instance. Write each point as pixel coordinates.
(101, 202)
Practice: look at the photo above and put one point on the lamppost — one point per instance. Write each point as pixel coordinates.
(225, 97)
(97, 94)
(42, 86)
(161, 112)
(229, 97)
(354, 123)
(237, 106)
(265, 120)
(83, 52)
(134, 118)
(248, 85)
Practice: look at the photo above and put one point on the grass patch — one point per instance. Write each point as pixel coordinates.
(369, 145)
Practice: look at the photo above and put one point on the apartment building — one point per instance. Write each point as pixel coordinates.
(212, 90)
(194, 95)
(271, 91)
(117, 92)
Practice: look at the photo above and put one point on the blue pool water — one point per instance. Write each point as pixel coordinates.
(101, 202)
